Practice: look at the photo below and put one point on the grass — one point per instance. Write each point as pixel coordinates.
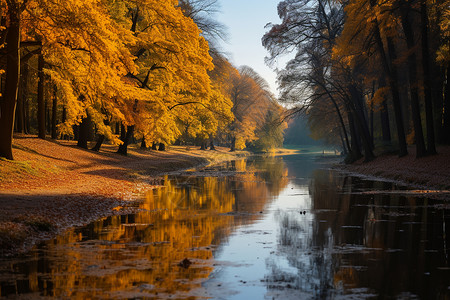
(16, 168)
(13, 170)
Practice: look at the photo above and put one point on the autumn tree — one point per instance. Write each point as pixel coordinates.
(11, 19)
(222, 80)
(441, 17)
(396, 35)
(203, 13)
(251, 99)
(83, 51)
(310, 30)
(270, 134)
(173, 61)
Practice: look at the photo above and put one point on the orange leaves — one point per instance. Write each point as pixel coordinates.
(444, 51)
(131, 60)
(379, 97)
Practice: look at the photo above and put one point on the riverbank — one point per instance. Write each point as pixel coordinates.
(429, 174)
(53, 185)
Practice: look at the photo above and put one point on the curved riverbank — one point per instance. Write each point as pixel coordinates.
(52, 186)
(430, 174)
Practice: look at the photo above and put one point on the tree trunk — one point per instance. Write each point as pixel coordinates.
(123, 148)
(211, 144)
(48, 119)
(344, 146)
(356, 107)
(384, 119)
(391, 74)
(143, 143)
(341, 120)
(54, 114)
(365, 137)
(22, 105)
(100, 138)
(338, 111)
(413, 86)
(361, 121)
(439, 91)
(83, 132)
(393, 83)
(355, 149)
(98, 145)
(19, 119)
(446, 111)
(431, 141)
(27, 114)
(372, 129)
(233, 144)
(8, 103)
(40, 99)
(76, 129)
(123, 132)
(154, 146)
(162, 147)
(63, 120)
(384, 116)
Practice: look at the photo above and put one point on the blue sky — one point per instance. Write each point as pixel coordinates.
(245, 20)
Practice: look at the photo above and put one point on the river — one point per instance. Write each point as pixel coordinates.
(257, 228)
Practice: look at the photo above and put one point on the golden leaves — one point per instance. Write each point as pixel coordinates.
(131, 60)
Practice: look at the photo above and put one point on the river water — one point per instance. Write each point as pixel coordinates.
(258, 228)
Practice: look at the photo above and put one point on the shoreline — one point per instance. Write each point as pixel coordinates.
(429, 175)
(53, 186)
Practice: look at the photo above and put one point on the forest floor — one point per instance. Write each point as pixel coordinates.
(54, 185)
(430, 174)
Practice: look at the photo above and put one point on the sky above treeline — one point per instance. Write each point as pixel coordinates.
(245, 20)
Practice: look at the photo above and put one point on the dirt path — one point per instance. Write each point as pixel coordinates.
(52, 186)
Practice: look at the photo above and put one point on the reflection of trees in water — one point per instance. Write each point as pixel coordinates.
(361, 240)
(263, 179)
(274, 172)
(312, 266)
(306, 245)
(138, 255)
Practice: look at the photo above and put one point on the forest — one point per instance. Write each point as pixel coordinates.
(145, 71)
(153, 72)
(370, 75)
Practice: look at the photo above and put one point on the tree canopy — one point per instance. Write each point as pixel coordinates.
(369, 67)
(122, 69)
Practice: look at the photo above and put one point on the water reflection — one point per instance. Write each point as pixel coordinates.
(166, 249)
(264, 228)
(383, 245)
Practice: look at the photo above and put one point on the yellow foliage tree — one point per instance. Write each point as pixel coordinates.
(251, 100)
(173, 63)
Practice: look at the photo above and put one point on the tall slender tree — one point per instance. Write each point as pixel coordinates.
(14, 10)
